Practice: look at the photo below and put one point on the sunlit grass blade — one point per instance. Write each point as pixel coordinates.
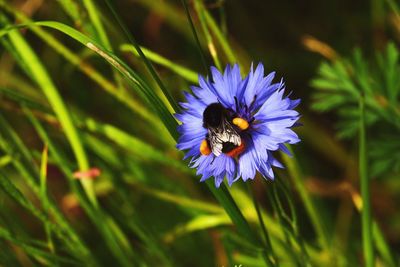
(210, 22)
(196, 37)
(184, 72)
(43, 176)
(43, 195)
(134, 144)
(183, 201)
(201, 222)
(91, 72)
(210, 43)
(95, 18)
(136, 82)
(148, 64)
(41, 77)
(368, 248)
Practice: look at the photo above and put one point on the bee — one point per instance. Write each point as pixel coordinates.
(223, 131)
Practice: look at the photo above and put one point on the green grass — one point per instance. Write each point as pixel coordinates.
(93, 84)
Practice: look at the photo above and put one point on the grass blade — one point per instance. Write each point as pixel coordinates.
(41, 77)
(186, 73)
(196, 37)
(368, 248)
(146, 61)
(297, 177)
(210, 44)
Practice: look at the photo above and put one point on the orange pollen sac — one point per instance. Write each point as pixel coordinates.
(237, 150)
(204, 148)
(242, 124)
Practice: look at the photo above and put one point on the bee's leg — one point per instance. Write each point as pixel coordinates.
(241, 123)
(204, 148)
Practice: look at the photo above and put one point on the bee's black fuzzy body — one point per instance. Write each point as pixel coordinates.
(222, 134)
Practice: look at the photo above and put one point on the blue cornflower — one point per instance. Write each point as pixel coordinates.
(231, 125)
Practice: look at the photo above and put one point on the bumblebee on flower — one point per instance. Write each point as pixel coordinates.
(231, 125)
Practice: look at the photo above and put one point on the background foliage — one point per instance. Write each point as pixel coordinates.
(93, 85)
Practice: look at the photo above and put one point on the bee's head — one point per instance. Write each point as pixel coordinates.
(213, 115)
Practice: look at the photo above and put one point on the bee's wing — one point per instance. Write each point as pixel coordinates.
(223, 135)
(229, 134)
(215, 143)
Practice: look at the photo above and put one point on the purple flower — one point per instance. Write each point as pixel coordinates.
(231, 125)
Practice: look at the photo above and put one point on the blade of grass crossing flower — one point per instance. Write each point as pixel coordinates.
(148, 64)
(368, 248)
(186, 73)
(196, 37)
(41, 77)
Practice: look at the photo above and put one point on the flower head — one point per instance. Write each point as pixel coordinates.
(231, 125)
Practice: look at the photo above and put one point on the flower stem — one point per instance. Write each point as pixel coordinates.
(366, 209)
(269, 255)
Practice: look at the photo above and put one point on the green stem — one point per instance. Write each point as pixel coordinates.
(269, 256)
(365, 194)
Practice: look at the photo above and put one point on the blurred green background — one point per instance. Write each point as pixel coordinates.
(66, 109)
